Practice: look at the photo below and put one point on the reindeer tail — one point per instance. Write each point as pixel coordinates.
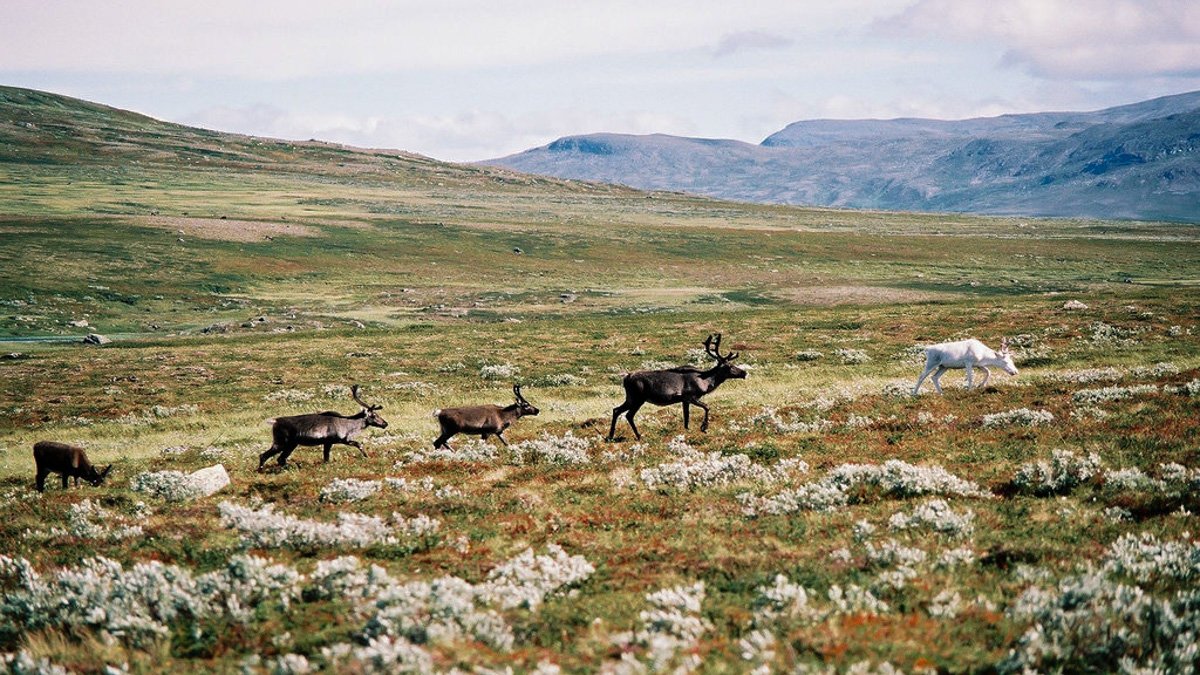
(437, 413)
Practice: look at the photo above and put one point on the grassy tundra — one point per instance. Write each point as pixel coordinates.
(827, 518)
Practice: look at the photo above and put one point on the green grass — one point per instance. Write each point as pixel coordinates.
(421, 255)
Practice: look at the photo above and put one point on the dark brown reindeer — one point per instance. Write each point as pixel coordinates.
(485, 420)
(327, 428)
(685, 384)
(68, 460)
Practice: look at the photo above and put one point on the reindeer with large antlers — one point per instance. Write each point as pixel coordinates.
(485, 420)
(327, 428)
(685, 384)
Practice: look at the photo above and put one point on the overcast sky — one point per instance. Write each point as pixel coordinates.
(475, 79)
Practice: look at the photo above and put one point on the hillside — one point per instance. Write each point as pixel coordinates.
(1138, 161)
(828, 520)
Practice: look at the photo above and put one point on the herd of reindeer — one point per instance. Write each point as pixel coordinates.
(685, 385)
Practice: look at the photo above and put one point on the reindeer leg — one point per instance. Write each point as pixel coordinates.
(937, 378)
(358, 445)
(441, 441)
(704, 424)
(921, 379)
(629, 416)
(501, 438)
(283, 456)
(328, 449)
(65, 478)
(686, 410)
(987, 375)
(612, 430)
(262, 459)
(41, 481)
(970, 376)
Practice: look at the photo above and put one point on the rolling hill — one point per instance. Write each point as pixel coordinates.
(1139, 161)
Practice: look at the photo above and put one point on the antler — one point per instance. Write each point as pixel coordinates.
(517, 393)
(712, 345)
(354, 393)
(1003, 344)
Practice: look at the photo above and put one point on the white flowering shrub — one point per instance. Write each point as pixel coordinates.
(671, 624)
(945, 605)
(1090, 622)
(264, 527)
(24, 663)
(809, 355)
(1064, 472)
(1105, 394)
(1105, 335)
(1086, 376)
(499, 371)
(141, 603)
(472, 451)
(1160, 369)
(851, 357)
(1019, 416)
(172, 486)
(1145, 558)
(560, 380)
(289, 396)
(343, 490)
(381, 655)
(1192, 388)
(955, 557)
(695, 470)
(527, 579)
(935, 515)
(770, 419)
(89, 520)
(565, 449)
(893, 478)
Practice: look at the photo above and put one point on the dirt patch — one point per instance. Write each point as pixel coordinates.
(229, 230)
(858, 295)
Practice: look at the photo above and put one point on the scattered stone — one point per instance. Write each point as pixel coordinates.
(358, 324)
(95, 339)
(517, 250)
(1074, 305)
(216, 328)
(208, 480)
(82, 323)
(567, 297)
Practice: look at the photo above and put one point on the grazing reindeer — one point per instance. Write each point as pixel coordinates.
(324, 428)
(685, 385)
(68, 460)
(485, 420)
(969, 354)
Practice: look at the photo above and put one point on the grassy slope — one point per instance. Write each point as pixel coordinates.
(422, 254)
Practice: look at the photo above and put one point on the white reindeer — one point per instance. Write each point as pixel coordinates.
(969, 354)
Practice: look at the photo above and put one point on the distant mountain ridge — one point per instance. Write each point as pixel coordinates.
(1137, 161)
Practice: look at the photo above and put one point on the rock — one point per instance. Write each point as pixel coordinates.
(358, 324)
(13, 356)
(208, 480)
(517, 250)
(95, 339)
(1074, 304)
(216, 328)
(82, 323)
(567, 297)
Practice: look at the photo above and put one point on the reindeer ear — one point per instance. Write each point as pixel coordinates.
(104, 473)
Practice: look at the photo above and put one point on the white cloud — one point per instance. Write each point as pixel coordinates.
(750, 40)
(466, 136)
(1069, 39)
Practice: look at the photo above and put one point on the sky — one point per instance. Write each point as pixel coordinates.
(465, 80)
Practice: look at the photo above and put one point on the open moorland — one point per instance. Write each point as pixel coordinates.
(827, 520)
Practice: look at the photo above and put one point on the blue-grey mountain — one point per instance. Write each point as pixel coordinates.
(1134, 161)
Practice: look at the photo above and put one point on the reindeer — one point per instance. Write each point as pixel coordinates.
(327, 428)
(685, 385)
(485, 420)
(67, 460)
(968, 354)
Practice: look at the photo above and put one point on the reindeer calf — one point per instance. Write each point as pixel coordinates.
(67, 460)
(968, 354)
(485, 420)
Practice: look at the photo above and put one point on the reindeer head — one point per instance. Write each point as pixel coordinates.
(373, 418)
(96, 478)
(1006, 359)
(712, 345)
(523, 406)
